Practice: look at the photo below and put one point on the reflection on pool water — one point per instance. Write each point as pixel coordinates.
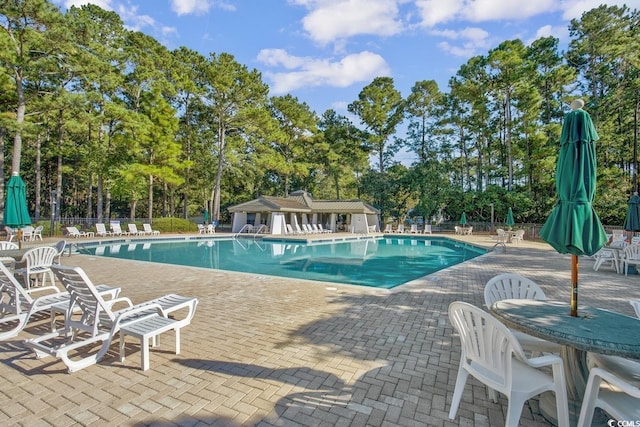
(381, 262)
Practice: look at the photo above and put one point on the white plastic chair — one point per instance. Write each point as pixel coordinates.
(607, 255)
(630, 256)
(620, 400)
(513, 286)
(37, 233)
(492, 355)
(37, 262)
(5, 245)
(17, 305)
(628, 369)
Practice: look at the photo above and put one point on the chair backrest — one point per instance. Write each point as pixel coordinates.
(636, 306)
(59, 247)
(631, 252)
(132, 228)
(73, 231)
(101, 228)
(94, 310)
(619, 399)
(147, 228)
(115, 227)
(400, 227)
(414, 228)
(427, 228)
(388, 228)
(511, 286)
(4, 245)
(12, 293)
(488, 346)
(41, 256)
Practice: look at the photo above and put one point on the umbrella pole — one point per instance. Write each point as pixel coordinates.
(574, 285)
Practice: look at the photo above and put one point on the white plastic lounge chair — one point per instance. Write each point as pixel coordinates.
(100, 323)
(400, 228)
(492, 355)
(620, 399)
(17, 305)
(148, 230)
(6, 246)
(37, 261)
(133, 230)
(427, 229)
(388, 228)
(414, 228)
(298, 230)
(101, 230)
(513, 286)
(116, 229)
(75, 233)
(324, 230)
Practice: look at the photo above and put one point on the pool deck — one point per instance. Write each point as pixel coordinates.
(270, 351)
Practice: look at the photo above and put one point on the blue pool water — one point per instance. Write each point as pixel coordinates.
(381, 263)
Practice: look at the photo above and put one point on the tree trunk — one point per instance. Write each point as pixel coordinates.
(37, 177)
(216, 190)
(150, 200)
(17, 139)
(99, 198)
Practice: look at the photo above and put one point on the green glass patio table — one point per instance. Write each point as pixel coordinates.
(594, 330)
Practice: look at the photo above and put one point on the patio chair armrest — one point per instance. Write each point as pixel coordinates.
(110, 303)
(546, 360)
(32, 291)
(151, 309)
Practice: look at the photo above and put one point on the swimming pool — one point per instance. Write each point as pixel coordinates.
(376, 262)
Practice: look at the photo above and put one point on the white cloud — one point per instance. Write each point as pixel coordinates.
(331, 20)
(433, 12)
(573, 9)
(472, 40)
(188, 7)
(308, 72)
(560, 32)
(104, 4)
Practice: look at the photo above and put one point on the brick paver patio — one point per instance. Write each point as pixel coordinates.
(268, 351)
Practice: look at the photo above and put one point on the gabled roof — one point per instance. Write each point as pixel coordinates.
(271, 204)
(301, 201)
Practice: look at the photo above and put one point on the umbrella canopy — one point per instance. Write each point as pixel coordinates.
(463, 218)
(573, 226)
(16, 213)
(510, 222)
(632, 220)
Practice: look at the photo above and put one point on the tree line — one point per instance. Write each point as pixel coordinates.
(109, 123)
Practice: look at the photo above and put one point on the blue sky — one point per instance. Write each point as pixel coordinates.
(325, 51)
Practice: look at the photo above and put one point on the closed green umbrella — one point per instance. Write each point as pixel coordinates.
(632, 220)
(205, 216)
(510, 222)
(573, 226)
(463, 218)
(16, 213)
